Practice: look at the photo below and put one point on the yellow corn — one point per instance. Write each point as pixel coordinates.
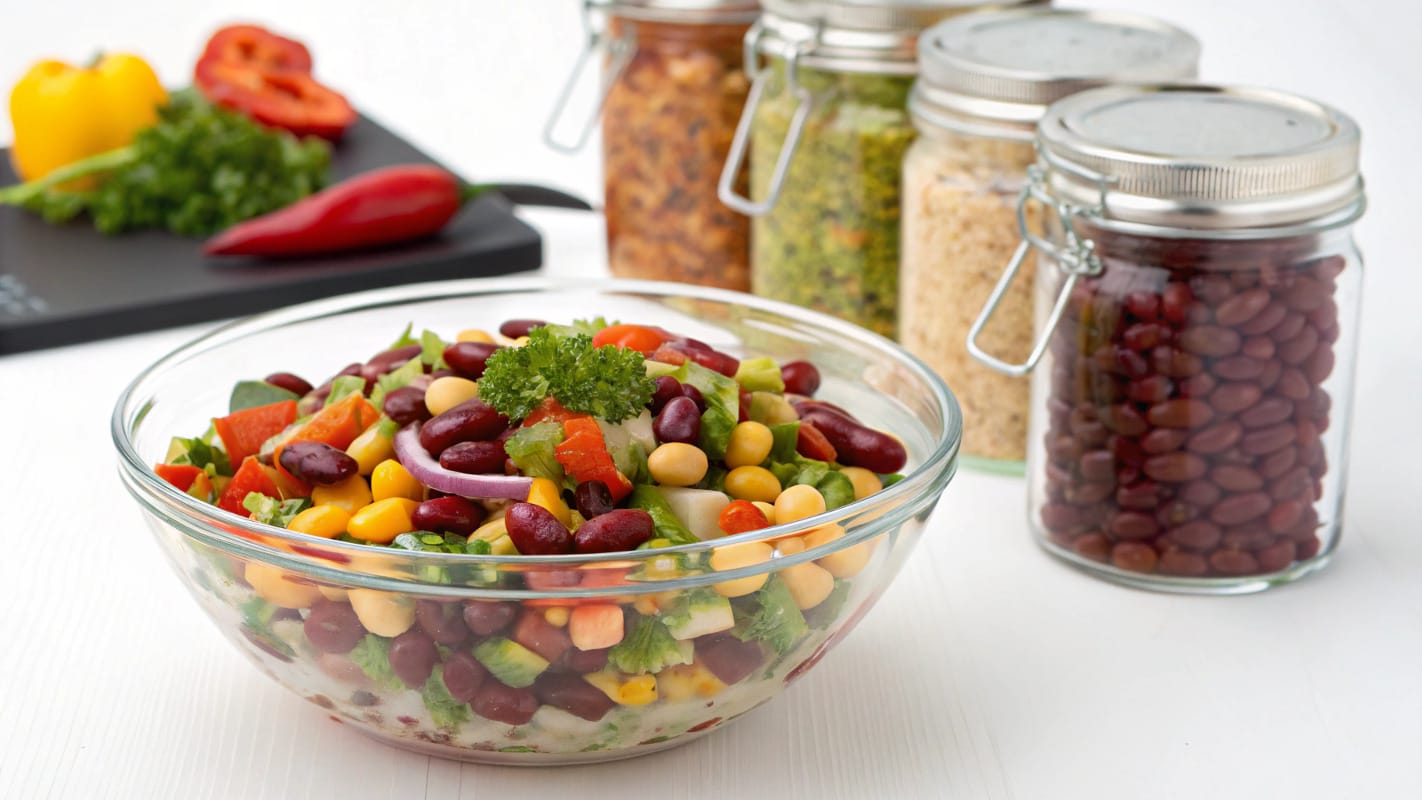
(556, 616)
(735, 556)
(750, 444)
(351, 494)
(797, 503)
(326, 521)
(371, 448)
(844, 563)
(685, 681)
(447, 392)
(503, 546)
(637, 690)
(491, 531)
(273, 585)
(865, 482)
(753, 483)
(381, 521)
(606, 682)
(545, 492)
(809, 584)
(473, 335)
(390, 479)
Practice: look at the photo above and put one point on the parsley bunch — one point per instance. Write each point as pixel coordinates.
(608, 382)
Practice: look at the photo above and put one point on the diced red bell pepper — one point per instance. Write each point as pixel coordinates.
(339, 423)
(243, 432)
(257, 46)
(550, 410)
(250, 477)
(583, 453)
(180, 475)
(278, 98)
(642, 338)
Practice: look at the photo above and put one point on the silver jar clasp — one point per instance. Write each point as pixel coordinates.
(726, 188)
(1075, 256)
(620, 50)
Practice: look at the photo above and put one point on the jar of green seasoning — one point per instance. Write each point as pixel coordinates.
(826, 125)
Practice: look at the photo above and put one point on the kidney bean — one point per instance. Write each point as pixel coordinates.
(500, 703)
(536, 532)
(1230, 398)
(1259, 347)
(292, 383)
(728, 658)
(333, 627)
(405, 405)
(1276, 556)
(516, 328)
(667, 388)
(1198, 386)
(1240, 308)
(1320, 365)
(474, 458)
(1210, 340)
(801, 377)
(1278, 462)
(470, 421)
(614, 532)
(811, 442)
(1089, 493)
(1175, 363)
(1175, 512)
(1270, 376)
(572, 694)
(1163, 440)
(1307, 294)
(593, 499)
(1240, 508)
(679, 421)
(1090, 432)
(1134, 556)
(468, 359)
(1297, 350)
(1216, 439)
(1180, 413)
(317, 462)
(1290, 326)
(1284, 516)
(1177, 467)
(1123, 419)
(1291, 484)
(1143, 496)
(1133, 525)
(585, 661)
(1236, 478)
(1175, 302)
(694, 394)
(1239, 368)
(1196, 534)
(1233, 562)
(1200, 493)
(1152, 389)
(1264, 321)
(448, 515)
(1271, 411)
(1144, 336)
(1094, 546)
(1060, 517)
(856, 445)
(1063, 449)
(463, 675)
(442, 622)
(1308, 435)
(1307, 548)
(1144, 306)
(1098, 465)
(1294, 385)
(487, 617)
(412, 657)
(702, 354)
(1266, 440)
(1182, 563)
(1128, 452)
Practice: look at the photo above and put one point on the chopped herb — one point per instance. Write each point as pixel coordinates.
(607, 382)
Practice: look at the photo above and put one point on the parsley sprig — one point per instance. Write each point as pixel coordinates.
(608, 382)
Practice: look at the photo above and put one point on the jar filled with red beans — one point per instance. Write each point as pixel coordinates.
(1197, 309)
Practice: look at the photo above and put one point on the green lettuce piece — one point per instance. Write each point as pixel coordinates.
(792, 469)
(344, 386)
(650, 647)
(532, 451)
(254, 394)
(589, 327)
(395, 379)
(891, 479)
(372, 655)
(444, 709)
(432, 350)
(771, 617)
(257, 617)
(405, 339)
(783, 440)
(272, 511)
(664, 521)
(836, 488)
(199, 452)
(723, 406)
(760, 374)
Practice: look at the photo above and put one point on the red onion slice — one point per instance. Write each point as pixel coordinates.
(427, 470)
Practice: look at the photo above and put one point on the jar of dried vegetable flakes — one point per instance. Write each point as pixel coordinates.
(827, 126)
(674, 85)
(1198, 292)
(984, 81)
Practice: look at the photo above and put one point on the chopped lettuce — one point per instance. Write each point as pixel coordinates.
(372, 655)
(589, 327)
(625, 444)
(531, 450)
(650, 647)
(396, 379)
(257, 615)
(405, 339)
(760, 375)
(273, 511)
(199, 452)
(444, 709)
(432, 350)
(723, 406)
(792, 469)
(771, 616)
(649, 498)
(428, 542)
(252, 394)
(344, 386)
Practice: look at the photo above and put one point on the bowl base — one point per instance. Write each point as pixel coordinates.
(522, 758)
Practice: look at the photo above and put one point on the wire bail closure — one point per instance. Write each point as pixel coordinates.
(620, 49)
(735, 158)
(1075, 257)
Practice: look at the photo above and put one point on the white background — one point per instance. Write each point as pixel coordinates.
(987, 671)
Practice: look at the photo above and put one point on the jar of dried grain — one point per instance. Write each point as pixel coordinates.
(985, 80)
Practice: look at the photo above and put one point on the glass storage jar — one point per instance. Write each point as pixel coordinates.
(827, 127)
(1198, 326)
(984, 81)
(673, 85)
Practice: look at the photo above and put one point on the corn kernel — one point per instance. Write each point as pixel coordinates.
(381, 521)
(274, 586)
(606, 682)
(350, 495)
(371, 448)
(753, 483)
(556, 616)
(546, 493)
(637, 690)
(326, 521)
(685, 681)
(473, 335)
(449, 391)
(390, 480)
(809, 584)
(736, 556)
(865, 482)
(750, 444)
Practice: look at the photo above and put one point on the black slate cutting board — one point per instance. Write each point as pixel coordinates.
(62, 284)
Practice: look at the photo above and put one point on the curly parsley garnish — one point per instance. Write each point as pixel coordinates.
(608, 382)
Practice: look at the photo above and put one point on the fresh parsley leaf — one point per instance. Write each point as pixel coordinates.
(606, 382)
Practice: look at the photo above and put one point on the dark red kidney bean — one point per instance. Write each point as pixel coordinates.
(593, 499)
(1163, 440)
(1133, 525)
(463, 675)
(1152, 389)
(536, 532)
(1276, 556)
(1329, 267)
(1242, 307)
(694, 394)
(468, 359)
(1278, 462)
(1134, 556)
(1212, 289)
(1175, 363)
(1128, 452)
(572, 694)
(292, 383)
(1294, 385)
(1230, 398)
(500, 703)
(1144, 306)
(442, 622)
(1266, 440)
(1098, 465)
(678, 421)
(1143, 336)
(1234, 562)
(1238, 509)
(1198, 386)
(1270, 376)
(1063, 449)
(1175, 302)
(412, 657)
(1238, 368)
(856, 445)
(1180, 413)
(387, 360)
(1201, 493)
(1320, 365)
(1144, 496)
(1089, 493)
(1284, 516)
(1175, 512)
(1307, 547)
(515, 328)
(1129, 363)
(1297, 350)
(713, 360)
(1177, 467)
(1292, 484)
(1264, 321)
(801, 377)
(1094, 546)
(333, 627)
(534, 631)
(614, 532)
(1060, 517)
(448, 515)
(585, 661)
(728, 658)
(1271, 411)
(1308, 435)
(1196, 534)
(1215, 439)
(470, 421)
(487, 617)
(1259, 347)
(1307, 294)
(1182, 563)
(474, 458)
(317, 462)
(667, 388)
(1236, 478)
(1210, 340)
(1124, 419)
(405, 405)
(1289, 327)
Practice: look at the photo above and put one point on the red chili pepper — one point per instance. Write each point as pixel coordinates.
(384, 206)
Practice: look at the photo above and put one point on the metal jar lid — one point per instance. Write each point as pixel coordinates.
(1201, 158)
(995, 72)
(680, 11)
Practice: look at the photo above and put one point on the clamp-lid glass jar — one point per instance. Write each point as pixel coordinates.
(1198, 299)
(985, 79)
(827, 126)
(673, 86)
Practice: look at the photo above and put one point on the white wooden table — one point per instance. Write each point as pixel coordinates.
(987, 671)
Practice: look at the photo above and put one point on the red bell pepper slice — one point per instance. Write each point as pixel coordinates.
(257, 46)
(250, 477)
(583, 453)
(278, 98)
(180, 475)
(243, 432)
(550, 410)
(642, 338)
(339, 423)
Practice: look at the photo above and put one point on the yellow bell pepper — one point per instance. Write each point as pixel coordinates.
(63, 113)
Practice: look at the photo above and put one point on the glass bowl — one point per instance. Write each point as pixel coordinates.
(261, 584)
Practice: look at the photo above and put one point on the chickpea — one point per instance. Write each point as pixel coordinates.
(754, 484)
(750, 444)
(798, 502)
(865, 482)
(677, 464)
(447, 392)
